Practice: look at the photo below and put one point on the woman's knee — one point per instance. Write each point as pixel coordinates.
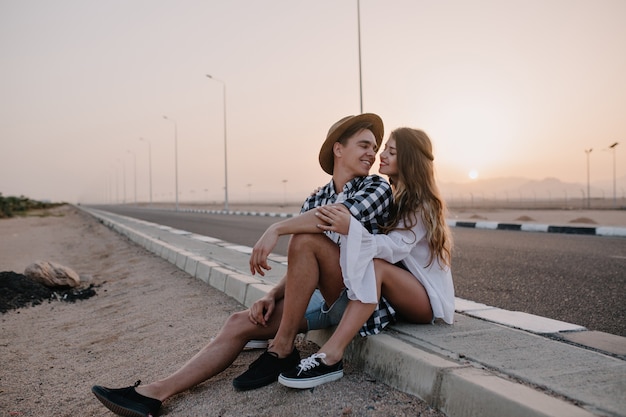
(381, 268)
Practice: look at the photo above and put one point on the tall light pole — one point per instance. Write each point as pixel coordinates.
(175, 156)
(134, 173)
(225, 145)
(149, 165)
(117, 184)
(121, 161)
(588, 151)
(612, 148)
(358, 12)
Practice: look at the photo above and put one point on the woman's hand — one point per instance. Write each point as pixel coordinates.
(336, 217)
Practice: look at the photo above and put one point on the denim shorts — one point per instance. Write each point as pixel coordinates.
(319, 316)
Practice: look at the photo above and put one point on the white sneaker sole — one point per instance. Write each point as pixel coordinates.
(254, 344)
(310, 382)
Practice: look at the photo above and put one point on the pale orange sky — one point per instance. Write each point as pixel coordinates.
(505, 88)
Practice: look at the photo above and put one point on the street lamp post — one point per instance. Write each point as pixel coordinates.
(121, 161)
(612, 148)
(134, 173)
(175, 156)
(117, 184)
(149, 165)
(225, 144)
(358, 12)
(588, 151)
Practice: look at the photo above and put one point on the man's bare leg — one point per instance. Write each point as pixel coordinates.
(217, 355)
(313, 263)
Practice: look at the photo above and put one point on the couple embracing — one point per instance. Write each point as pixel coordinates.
(363, 253)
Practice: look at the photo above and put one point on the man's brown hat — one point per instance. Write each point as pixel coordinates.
(326, 153)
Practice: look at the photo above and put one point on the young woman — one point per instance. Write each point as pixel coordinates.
(409, 265)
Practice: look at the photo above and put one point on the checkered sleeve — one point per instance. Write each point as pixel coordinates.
(370, 204)
(317, 199)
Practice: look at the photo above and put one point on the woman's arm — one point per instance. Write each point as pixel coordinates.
(392, 247)
(336, 218)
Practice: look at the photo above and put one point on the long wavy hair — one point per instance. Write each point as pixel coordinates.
(415, 191)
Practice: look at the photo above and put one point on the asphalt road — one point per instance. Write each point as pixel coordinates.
(574, 278)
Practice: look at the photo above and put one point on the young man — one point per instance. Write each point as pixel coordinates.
(293, 305)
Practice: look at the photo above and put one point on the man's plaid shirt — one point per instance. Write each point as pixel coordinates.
(368, 199)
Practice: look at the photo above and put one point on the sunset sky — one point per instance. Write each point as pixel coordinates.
(503, 88)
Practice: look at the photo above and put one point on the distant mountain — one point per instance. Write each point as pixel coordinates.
(524, 188)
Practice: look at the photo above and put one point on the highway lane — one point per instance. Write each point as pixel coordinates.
(573, 278)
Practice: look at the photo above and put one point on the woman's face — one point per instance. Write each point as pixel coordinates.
(388, 160)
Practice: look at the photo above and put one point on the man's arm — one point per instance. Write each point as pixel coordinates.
(307, 222)
(304, 223)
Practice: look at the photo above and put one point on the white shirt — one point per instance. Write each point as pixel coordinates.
(360, 247)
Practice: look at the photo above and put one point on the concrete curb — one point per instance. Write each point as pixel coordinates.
(457, 388)
(533, 227)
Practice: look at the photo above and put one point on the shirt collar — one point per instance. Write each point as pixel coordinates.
(350, 185)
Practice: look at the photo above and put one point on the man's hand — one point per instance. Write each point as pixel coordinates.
(261, 311)
(263, 247)
(336, 218)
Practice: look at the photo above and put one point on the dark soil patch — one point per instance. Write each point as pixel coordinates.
(17, 291)
(525, 219)
(477, 217)
(583, 220)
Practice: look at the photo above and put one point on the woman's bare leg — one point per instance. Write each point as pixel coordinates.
(400, 288)
(352, 320)
(407, 295)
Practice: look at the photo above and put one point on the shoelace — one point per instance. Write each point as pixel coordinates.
(310, 362)
(131, 388)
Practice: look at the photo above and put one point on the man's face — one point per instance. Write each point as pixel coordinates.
(357, 156)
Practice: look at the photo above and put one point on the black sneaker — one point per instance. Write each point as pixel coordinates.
(265, 370)
(126, 401)
(311, 372)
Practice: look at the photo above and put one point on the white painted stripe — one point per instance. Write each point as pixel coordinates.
(531, 227)
(487, 225)
(525, 321)
(611, 231)
(206, 239)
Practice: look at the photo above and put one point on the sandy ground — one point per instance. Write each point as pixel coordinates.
(147, 319)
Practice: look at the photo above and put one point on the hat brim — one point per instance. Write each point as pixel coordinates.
(326, 156)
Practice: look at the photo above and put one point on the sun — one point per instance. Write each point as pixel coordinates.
(473, 174)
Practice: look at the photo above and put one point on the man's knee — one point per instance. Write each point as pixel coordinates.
(237, 322)
(308, 242)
